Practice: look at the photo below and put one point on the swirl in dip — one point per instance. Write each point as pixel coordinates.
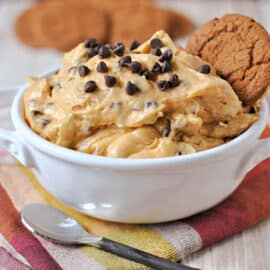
(155, 100)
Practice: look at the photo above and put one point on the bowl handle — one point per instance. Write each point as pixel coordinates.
(260, 152)
(10, 142)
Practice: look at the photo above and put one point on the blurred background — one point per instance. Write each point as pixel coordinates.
(33, 36)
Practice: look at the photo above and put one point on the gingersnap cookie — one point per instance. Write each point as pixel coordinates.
(61, 25)
(27, 30)
(109, 5)
(130, 24)
(239, 48)
(180, 25)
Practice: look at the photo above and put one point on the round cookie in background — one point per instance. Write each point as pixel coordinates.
(180, 25)
(139, 24)
(239, 48)
(27, 30)
(61, 25)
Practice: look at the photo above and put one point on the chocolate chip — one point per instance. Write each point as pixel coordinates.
(131, 88)
(44, 122)
(102, 67)
(135, 67)
(156, 68)
(166, 56)
(205, 69)
(37, 113)
(110, 81)
(167, 67)
(104, 52)
(125, 61)
(119, 49)
(174, 80)
(89, 43)
(90, 53)
(150, 104)
(146, 73)
(156, 51)
(155, 43)
(163, 85)
(134, 45)
(252, 110)
(50, 90)
(97, 48)
(165, 132)
(90, 87)
(83, 70)
(179, 153)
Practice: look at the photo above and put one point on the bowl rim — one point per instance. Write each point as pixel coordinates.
(73, 156)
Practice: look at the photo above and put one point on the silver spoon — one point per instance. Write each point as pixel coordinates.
(55, 225)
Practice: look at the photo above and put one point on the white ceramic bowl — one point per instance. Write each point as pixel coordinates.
(140, 190)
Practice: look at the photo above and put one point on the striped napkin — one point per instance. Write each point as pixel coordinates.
(19, 249)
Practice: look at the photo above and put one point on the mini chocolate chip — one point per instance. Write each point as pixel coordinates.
(150, 104)
(205, 69)
(146, 73)
(102, 67)
(165, 132)
(44, 122)
(135, 67)
(36, 112)
(90, 53)
(156, 51)
(97, 48)
(156, 68)
(167, 67)
(90, 87)
(166, 56)
(50, 90)
(155, 43)
(125, 61)
(131, 88)
(119, 49)
(83, 70)
(134, 45)
(89, 43)
(163, 85)
(179, 153)
(174, 80)
(104, 52)
(110, 81)
(252, 110)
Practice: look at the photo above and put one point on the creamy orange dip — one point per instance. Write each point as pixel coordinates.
(165, 102)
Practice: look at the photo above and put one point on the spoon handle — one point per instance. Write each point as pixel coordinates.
(140, 256)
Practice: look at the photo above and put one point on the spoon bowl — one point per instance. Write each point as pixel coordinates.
(54, 224)
(57, 226)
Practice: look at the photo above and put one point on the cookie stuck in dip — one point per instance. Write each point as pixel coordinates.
(147, 101)
(238, 47)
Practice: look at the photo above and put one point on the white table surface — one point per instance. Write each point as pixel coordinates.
(246, 251)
